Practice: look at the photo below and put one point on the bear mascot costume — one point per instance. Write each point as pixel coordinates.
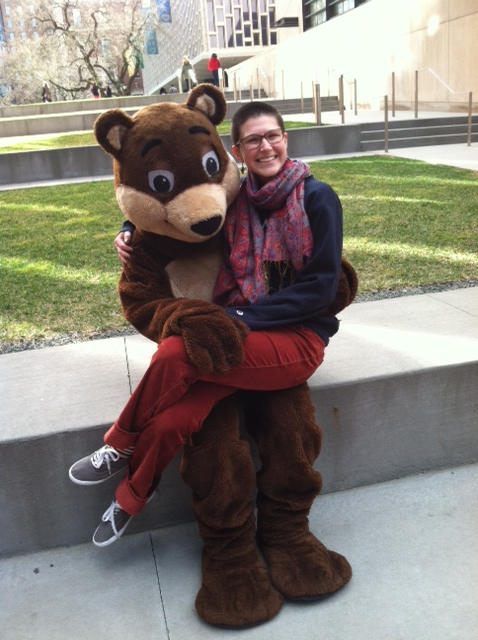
(174, 181)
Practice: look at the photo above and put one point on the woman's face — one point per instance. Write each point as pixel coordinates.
(266, 160)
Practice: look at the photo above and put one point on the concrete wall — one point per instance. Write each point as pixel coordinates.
(371, 42)
(84, 162)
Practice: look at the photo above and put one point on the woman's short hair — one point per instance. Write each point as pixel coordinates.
(253, 109)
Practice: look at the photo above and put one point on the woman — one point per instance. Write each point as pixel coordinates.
(284, 244)
(188, 75)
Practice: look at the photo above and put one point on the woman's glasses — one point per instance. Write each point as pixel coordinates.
(274, 136)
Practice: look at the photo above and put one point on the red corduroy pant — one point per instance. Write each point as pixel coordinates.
(174, 398)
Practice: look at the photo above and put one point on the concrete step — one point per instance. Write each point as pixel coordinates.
(413, 133)
(411, 543)
(419, 123)
(395, 396)
(428, 131)
(416, 141)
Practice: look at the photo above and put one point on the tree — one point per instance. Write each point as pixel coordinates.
(81, 42)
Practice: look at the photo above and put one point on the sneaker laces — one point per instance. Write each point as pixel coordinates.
(109, 516)
(106, 455)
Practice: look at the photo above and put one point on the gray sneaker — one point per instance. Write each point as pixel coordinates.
(99, 466)
(113, 523)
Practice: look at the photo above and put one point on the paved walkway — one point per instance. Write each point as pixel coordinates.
(412, 544)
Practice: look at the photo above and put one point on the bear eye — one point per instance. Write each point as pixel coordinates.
(210, 162)
(161, 181)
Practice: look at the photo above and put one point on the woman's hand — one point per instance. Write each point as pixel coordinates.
(122, 244)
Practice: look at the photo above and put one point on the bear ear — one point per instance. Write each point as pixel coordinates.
(110, 129)
(210, 101)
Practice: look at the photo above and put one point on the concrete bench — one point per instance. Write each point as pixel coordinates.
(396, 395)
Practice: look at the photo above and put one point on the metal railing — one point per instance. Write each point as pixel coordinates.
(274, 85)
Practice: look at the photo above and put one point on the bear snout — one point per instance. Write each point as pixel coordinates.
(207, 227)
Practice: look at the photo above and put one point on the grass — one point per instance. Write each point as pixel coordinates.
(88, 139)
(406, 224)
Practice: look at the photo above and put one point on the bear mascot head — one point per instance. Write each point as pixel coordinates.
(174, 180)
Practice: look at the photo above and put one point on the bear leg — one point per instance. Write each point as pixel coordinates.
(289, 441)
(236, 590)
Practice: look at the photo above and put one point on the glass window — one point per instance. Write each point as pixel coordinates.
(318, 11)
(213, 41)
(264, 31)
(220, 15)
(229, 32)
(211, 18)
(237, 19)
(221, 37)
(239, 40)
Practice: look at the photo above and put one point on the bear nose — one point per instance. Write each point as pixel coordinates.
(207, 227)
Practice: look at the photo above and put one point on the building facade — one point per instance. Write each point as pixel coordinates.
(423, 48)
(233, 29)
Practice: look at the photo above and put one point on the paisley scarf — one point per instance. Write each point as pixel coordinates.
(266, 224)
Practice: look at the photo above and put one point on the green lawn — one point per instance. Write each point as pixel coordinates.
(406, 224)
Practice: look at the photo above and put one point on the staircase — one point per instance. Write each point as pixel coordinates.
(417, 132)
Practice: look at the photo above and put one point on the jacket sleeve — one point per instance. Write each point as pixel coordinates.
(127, 226)
(315, 286)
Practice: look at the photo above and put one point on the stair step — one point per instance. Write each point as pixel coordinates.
(419, 123)
(416, 141)
(408, 132)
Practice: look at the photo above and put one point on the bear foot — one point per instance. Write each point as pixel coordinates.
(305, 569)
(232, 595)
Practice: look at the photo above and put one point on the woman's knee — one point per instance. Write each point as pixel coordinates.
(171, 350)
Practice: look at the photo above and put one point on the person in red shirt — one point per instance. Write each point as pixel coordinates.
(213, 66)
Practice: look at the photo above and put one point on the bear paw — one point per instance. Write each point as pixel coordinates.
(305, 569)
(237, 596)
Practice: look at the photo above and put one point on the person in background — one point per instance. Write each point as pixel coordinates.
(188, 75)
(213, 66)
(45, 93)
(108, 91)
(172, 89)
(162, 91)
(95, 91)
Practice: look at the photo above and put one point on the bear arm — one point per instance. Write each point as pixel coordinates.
(212, 339)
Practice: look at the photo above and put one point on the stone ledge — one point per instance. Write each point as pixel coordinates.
(18, 168)
(396, 395)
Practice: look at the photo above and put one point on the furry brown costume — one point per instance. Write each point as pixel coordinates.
(174, 181)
